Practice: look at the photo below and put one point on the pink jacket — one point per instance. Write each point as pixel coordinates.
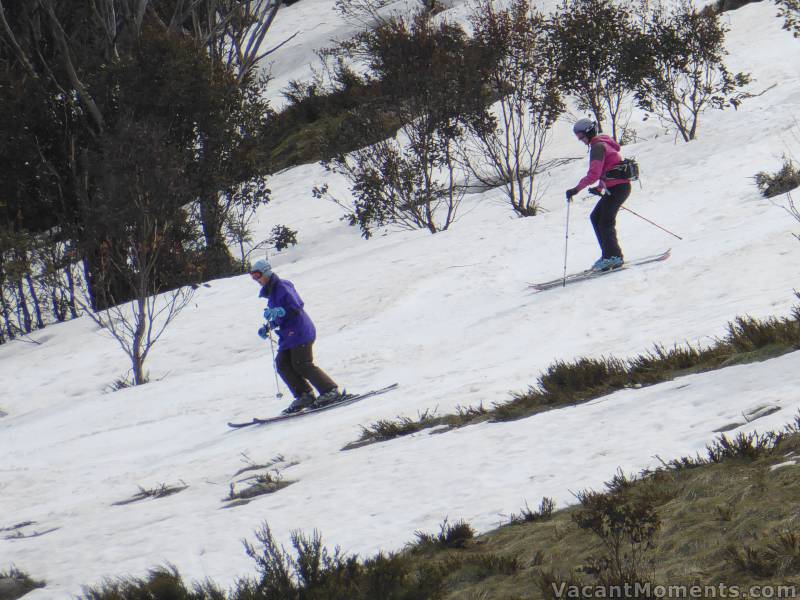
(603, 156)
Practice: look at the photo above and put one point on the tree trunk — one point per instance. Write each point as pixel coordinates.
(22, 308)
(58, 310)
(6, 313)
(137, 356)
(218, 260)
(107, 287)
(71, 288)
(36, 306)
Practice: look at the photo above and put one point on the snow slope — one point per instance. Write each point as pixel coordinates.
(449, 317)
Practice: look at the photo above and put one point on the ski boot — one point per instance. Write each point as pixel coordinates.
(303, 401)
(329, 397)
(609, 264)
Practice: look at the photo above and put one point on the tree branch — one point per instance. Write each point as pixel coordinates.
(61, 37)
(12, 40)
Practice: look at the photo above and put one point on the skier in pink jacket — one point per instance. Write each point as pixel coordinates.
(604, 156)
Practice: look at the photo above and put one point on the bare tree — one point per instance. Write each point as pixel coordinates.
(137, 325)
(508, 147)
(144, 225)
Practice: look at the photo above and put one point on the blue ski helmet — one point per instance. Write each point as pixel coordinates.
(261, 266)
(585, 126)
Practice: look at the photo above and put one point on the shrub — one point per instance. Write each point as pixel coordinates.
(161, 582)
(476, 567)
(449, 536)
(15, 584)
(780, 557)
(385, 429)
(120, 383)
(582, 376)
(626, 525)
(746, 334)
(786, 552)
(312, 572)
(160, 491)
(267, 482)
(747, 446)
(526, 515)
(651, 366)
(784, 180)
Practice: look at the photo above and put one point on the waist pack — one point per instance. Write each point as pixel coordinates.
(627, 169)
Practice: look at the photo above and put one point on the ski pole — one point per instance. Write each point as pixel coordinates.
(275, 368)
(651, 223)
(566, 245)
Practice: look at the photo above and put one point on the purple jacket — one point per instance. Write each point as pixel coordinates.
(295, 327)
(603, 157)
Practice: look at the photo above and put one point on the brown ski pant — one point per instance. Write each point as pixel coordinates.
(296, 367)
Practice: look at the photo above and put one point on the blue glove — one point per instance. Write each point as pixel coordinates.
(270, 314)
(263, 332)
(570, 193)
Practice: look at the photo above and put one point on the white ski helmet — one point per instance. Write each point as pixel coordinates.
(585, 126)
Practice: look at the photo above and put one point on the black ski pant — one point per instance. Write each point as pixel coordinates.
(604, 219)
(296, 367)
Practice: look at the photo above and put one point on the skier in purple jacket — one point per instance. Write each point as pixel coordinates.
(604, 156)
(296, 336)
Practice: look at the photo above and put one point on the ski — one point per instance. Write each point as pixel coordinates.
(589, 274)
(347, 399)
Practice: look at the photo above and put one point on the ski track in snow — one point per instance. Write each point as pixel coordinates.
(449, 318)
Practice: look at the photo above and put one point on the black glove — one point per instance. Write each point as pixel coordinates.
(570, 193)
(596, 191)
